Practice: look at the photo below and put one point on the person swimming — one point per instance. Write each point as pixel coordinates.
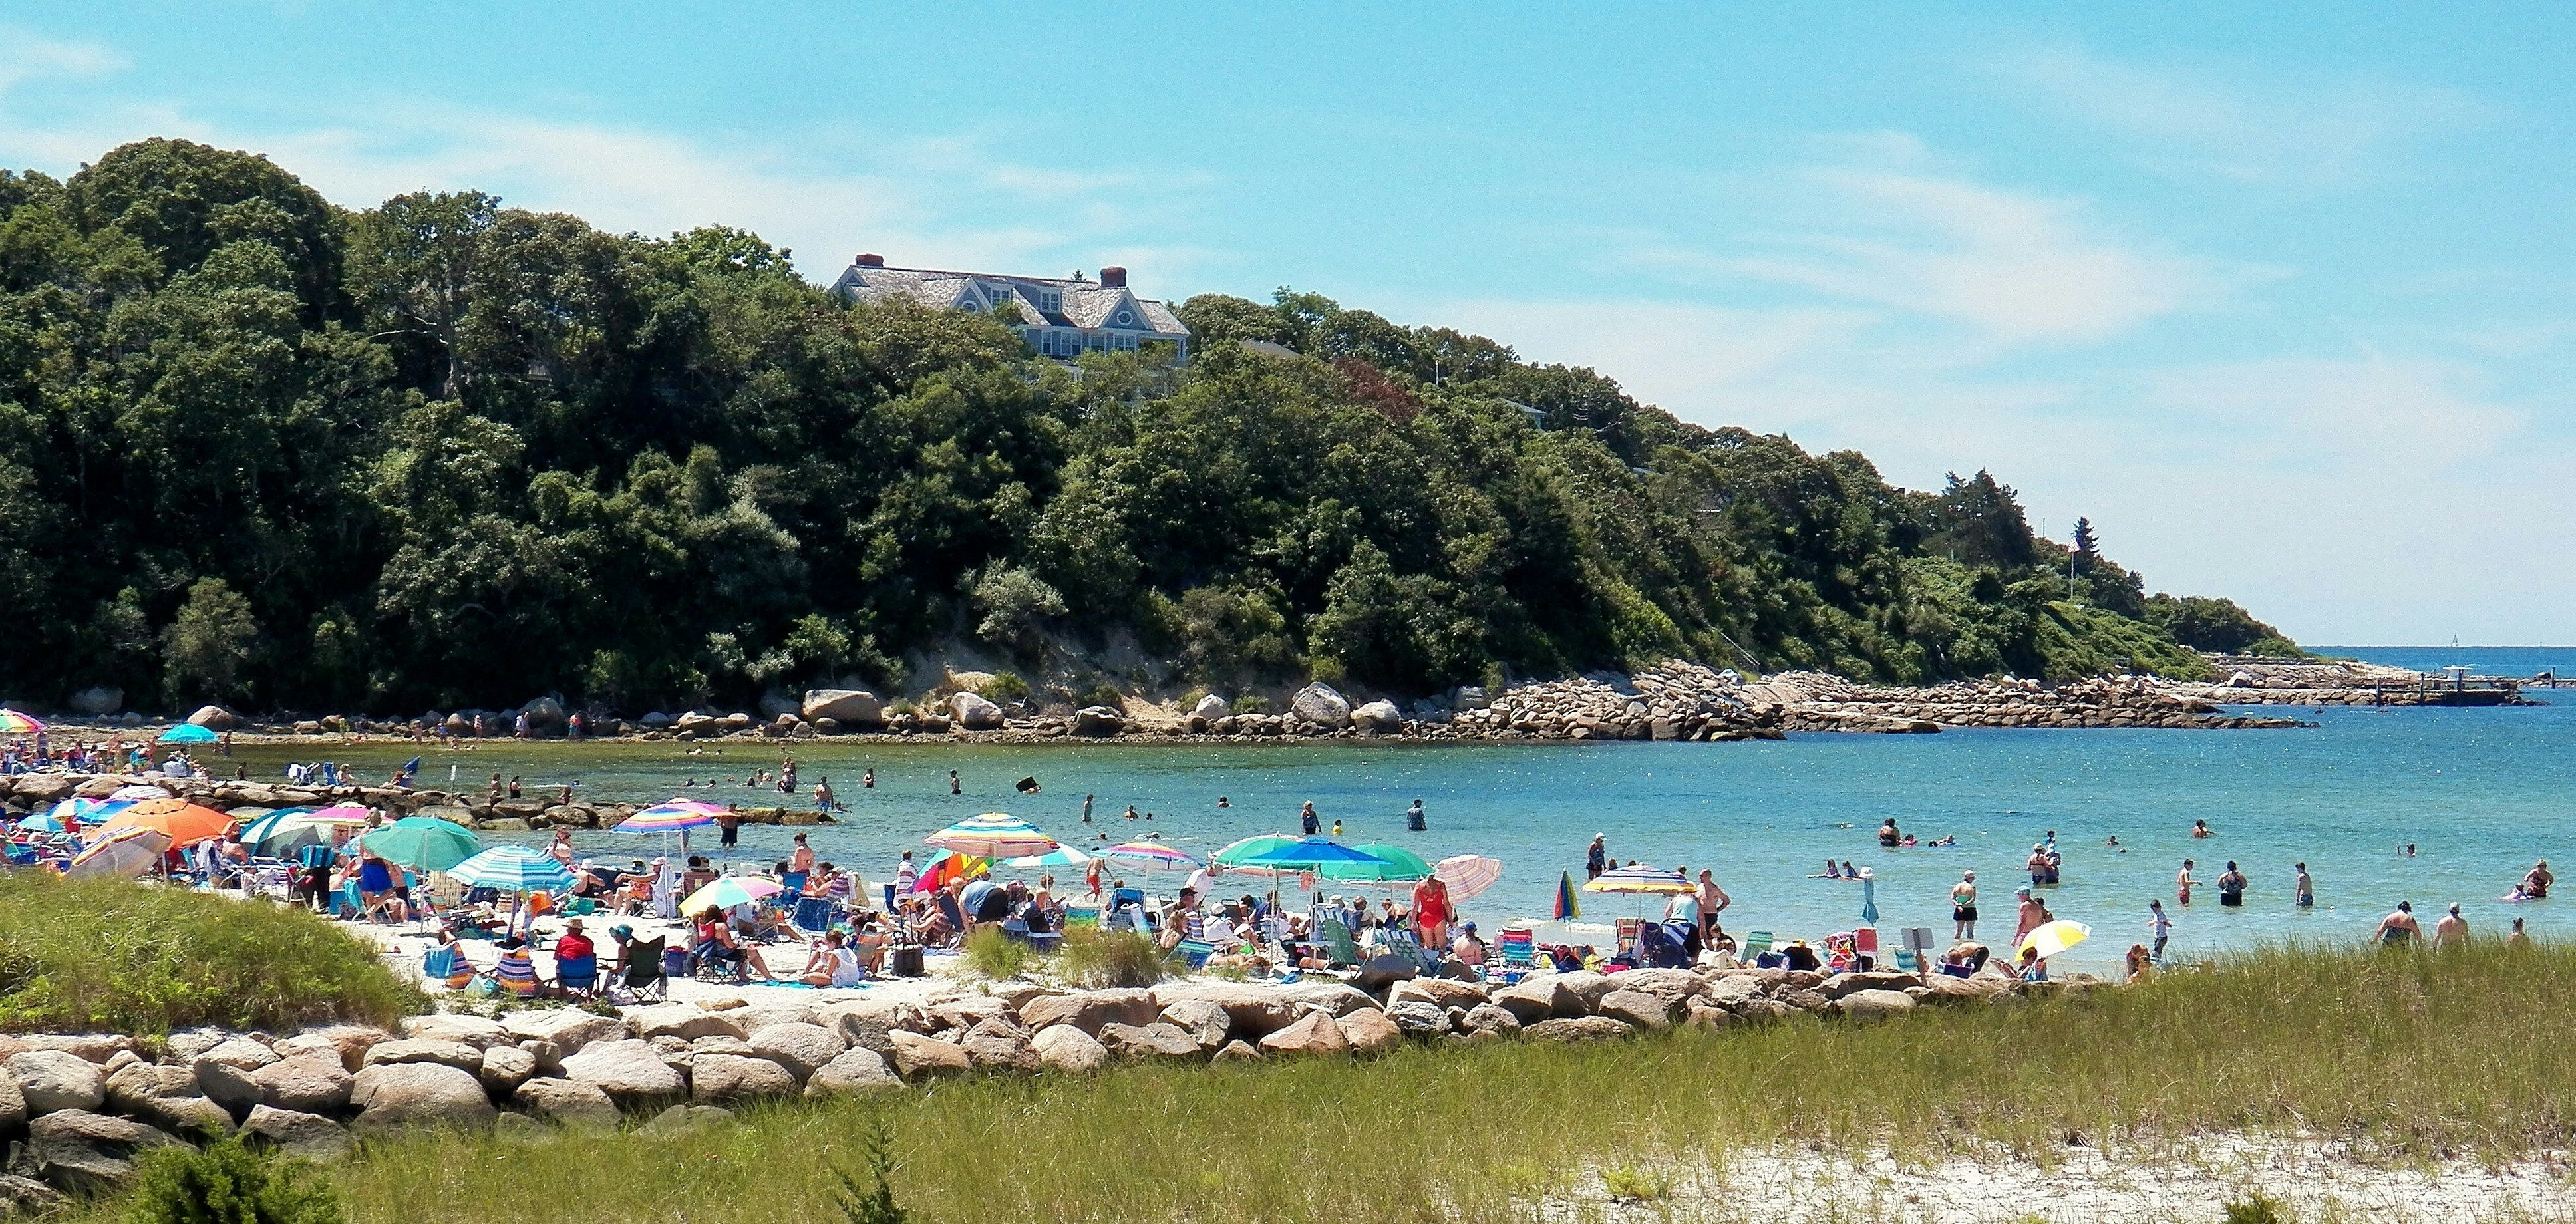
(2200, 828)
(1831, 872)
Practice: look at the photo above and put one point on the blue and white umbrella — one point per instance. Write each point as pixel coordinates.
(514, 869)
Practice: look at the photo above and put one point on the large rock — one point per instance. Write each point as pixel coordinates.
(1098, 721)
(1318, 703)
(1636, 1007)
(409, 1050)
(1156, 1040)
(1874, 1005)
(227, 1086)
(13, 1106)
(304, 1135)
(567, 1103)
(1439, 992)
(1205, 1022)
(1368, 1031)
(1341, 999)
(852, 1072)
(1317, 1033)
(395, 1095)
(631, 1072)
(1578, 1028)
(682, 1119)
(1587, 988)
(1670, 985)
(21, 1196)
(719, 1078)
(166, 1098)
(505, 1068)
(569, 1028)
(801, 1048)
(313, 1083)
(967, 1012)
(475, 1031)
(1255, 1011)
(1210, 708)
(545, 716)
(1415, 1018)
(974, 713)
(214, 718)
(98, 699)
(80, 1152)
(1842, 984)
(1091, 1010)
(998, 1045)
(52, 1080)
(1538, 998)
(1062, 1047)
(686, 1021)
(848, 707)
(1492, 1018)
(1378, 716)
(240, 1054)
(93, 1047)
(919, 1057)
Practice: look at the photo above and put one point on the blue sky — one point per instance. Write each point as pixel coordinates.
(2280, 298)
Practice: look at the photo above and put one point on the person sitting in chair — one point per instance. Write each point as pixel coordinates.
(716, 943)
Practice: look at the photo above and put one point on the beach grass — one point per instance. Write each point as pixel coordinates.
(118, 956)
(2409, 1057)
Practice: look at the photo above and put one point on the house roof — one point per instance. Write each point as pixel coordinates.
(1086, 304)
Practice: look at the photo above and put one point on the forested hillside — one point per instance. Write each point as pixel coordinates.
(259, 448)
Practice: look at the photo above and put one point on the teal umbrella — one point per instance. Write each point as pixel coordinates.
(189, 733)
(1234, 854)
(422, 843)
(1394, 864)
(1313, 854)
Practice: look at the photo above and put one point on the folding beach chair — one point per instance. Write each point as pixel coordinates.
(1628, 928)
(813, 915)
(1193, 953)
(1907, 962)
(1336, 939)
(1658, 948)
(447, 965)
(646, 971)
(1755, 944)
(1402, 943)
(579, 976)
(516, 973)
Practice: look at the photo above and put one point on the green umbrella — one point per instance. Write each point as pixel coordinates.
(1394, 863)
(1261, 843)
(421, 843)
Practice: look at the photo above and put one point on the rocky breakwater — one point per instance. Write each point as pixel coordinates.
(1816, 701)
(2251, 680)
(81, 1108)
(23, 793)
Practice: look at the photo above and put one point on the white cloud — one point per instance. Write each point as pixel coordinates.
(27, 56)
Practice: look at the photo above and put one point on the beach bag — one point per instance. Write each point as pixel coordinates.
(906, 961)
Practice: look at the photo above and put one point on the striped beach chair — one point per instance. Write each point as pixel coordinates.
(446, 964)
(1336, 939)
(1515, 953)
(516, 973)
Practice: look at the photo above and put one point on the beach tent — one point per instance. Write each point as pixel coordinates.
(126, 852)
(15, 723)
(514, 869)
(726, 893)
(421, 843)
(671, 816)
(184, 823)
(189, 733)
(1468, 875)
(993, 835)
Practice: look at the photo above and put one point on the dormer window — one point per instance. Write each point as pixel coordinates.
(1126, 318)
(1051, 302)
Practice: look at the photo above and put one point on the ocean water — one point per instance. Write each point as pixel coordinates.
(2480, 793)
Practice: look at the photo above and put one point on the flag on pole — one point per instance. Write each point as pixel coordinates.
(1566, 906)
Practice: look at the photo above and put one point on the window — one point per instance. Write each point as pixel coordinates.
(1126, 318)
(1052, 303)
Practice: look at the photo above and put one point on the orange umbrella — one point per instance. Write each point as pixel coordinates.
(186, 823)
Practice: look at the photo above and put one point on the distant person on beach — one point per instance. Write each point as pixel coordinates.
(1413, 819)
(1086, 809)
(2535, 883)
(2516, 938)
(868, 780)
(2159, 927)
(2451, 931)
(954, 787)
(1223, 802)
(2038, 865)
(729, 829)
(1595, 858)
(2400, 927)
(2307, 888)
(1888, 837)
(1963, 907)
(2231, 886)
(2139, 964)
(1712, 901)
(2032, 915)
(2183, 883)
(1308, 823)
(2200, 828)
(1849, 872)
(1831, 872)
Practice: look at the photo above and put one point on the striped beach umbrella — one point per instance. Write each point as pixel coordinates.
(1640, 880)
(1568, 905)
(670, 816)
(1146, 856)
(940, 872)
(1469, 875)
(726, 893)
(513, 868)
(77, 811)
(353, 815)
(422, 843)
(1061, 856)
(15, 723)
(993, 835)
(126, 852)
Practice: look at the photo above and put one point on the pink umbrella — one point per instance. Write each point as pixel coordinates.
(343, 814)
(1148, 856)
(1468, 874)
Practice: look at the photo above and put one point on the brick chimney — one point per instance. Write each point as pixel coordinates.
(871, 261)
(1113, 278)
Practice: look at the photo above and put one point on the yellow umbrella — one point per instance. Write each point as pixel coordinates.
(2051, 938)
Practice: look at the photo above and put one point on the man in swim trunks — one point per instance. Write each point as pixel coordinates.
(2452, 931)
(2307, 889)
(2183, 883)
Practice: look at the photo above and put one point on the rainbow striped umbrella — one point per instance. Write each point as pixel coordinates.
(670, 816)
(79, 811)
(993, 835)
(1568, 907)
(1637, 880)
(15, 723)
(1148, 856)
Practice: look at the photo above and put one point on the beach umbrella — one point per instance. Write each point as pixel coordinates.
(137, 792)
(1568, 907)
(2051, 938)
(79, 811)
(950, 867)
(15, 723)
(189, 733)
(1146, 856)
(729, 892)
(671, 816)
(1233, 855)
(352, 815)
(1310, 854)
(294, 825)
(1394, 864)
(183, 822)
(1868, 897)
(513, 868)
(1061, 856)
(422, 843)
(1469, 875)
(127, 852)
(40, 822)
(993, 835)
(1640, 880)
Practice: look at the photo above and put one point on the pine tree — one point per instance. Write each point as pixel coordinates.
(2086, 552)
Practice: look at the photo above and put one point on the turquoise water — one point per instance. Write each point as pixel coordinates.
(2481, 793)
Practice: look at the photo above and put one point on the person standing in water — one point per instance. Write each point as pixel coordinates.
(1086, 809)
(1963, 907)
(1413, 819)
(1308, 823)
(1596, 859)
(2183, 883)
(868, 780)
(2399, 927)
(2452, 931)
(2160, 926)
(953, 787)
(2231, 886)
(2307, 888)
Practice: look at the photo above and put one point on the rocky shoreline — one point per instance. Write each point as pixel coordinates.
(79, 1108)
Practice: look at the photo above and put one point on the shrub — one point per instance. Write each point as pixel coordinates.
(990, 953)
(1250, 703)
(114, 955)
(1629, 1184)
(1004, 688)
(871, 1201)
(1103, 693)
(228, 1183)
(1097, 960)
(2257, 1208)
